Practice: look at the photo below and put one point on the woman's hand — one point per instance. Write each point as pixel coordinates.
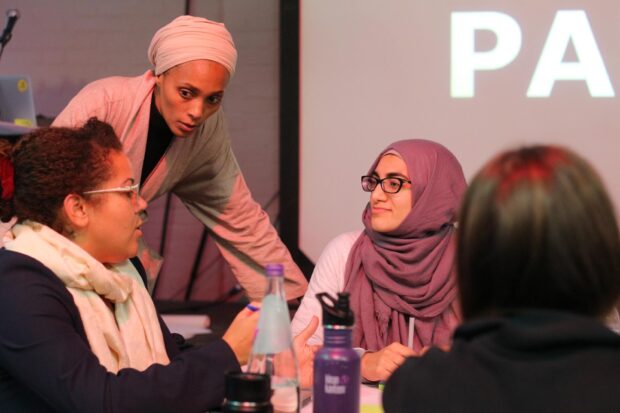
(379, 365)
(305, 353)
(240, 333)
(443, 347)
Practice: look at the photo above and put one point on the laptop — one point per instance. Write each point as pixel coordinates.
(16, 102)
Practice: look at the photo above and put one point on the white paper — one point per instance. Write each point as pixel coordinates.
(187, 325)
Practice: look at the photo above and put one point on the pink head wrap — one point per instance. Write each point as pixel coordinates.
(189, 38)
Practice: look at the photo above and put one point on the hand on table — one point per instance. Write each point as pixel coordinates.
(379, 365)
(305, 353)
(240, 333)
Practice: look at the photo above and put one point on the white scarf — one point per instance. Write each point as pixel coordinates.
(129, 335)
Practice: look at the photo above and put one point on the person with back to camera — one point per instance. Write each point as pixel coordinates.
(399, 270)
(76, 334)
(173, 130)
(538, 271)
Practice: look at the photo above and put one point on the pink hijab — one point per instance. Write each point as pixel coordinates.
(410, 271)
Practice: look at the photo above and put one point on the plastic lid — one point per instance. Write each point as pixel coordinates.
(274, 270)
(336, 312)
(248, 387)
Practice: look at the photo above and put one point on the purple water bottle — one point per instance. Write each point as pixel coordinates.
(336, 386)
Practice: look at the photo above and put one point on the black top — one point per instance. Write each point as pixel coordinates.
(47, 365)
(158, 140)
(539, 361)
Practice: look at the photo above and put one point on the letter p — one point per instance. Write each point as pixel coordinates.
(465, 61)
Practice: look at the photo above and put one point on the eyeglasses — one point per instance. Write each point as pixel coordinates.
(390, 185)
(133, 190)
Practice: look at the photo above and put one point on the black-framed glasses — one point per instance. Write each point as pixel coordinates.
(390, 185)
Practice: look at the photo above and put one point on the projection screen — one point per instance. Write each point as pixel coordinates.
(476, 76)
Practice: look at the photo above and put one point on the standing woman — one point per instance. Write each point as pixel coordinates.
(78, 329)
(400, 269)
(173, 129)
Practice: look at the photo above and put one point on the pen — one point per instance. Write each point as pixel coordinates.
(252, 308)
(411, 332)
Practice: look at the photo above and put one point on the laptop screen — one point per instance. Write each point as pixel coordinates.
(16, 102)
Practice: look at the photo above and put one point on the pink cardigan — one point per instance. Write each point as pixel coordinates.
(201, 170)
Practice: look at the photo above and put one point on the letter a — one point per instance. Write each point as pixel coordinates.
(570, 25)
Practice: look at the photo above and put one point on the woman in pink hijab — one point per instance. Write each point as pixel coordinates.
(399, 270)
(173, 130)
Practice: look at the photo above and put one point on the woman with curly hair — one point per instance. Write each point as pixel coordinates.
(78, 329)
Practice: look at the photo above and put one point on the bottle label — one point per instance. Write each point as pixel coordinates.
(273, 332)
(336, 384)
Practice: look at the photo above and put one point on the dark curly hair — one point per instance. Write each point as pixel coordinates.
(51, 163)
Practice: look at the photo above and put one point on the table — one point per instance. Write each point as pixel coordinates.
(370, 400)
(220, 315)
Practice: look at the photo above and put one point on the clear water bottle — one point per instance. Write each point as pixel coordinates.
(272, 351)
(336, 387)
